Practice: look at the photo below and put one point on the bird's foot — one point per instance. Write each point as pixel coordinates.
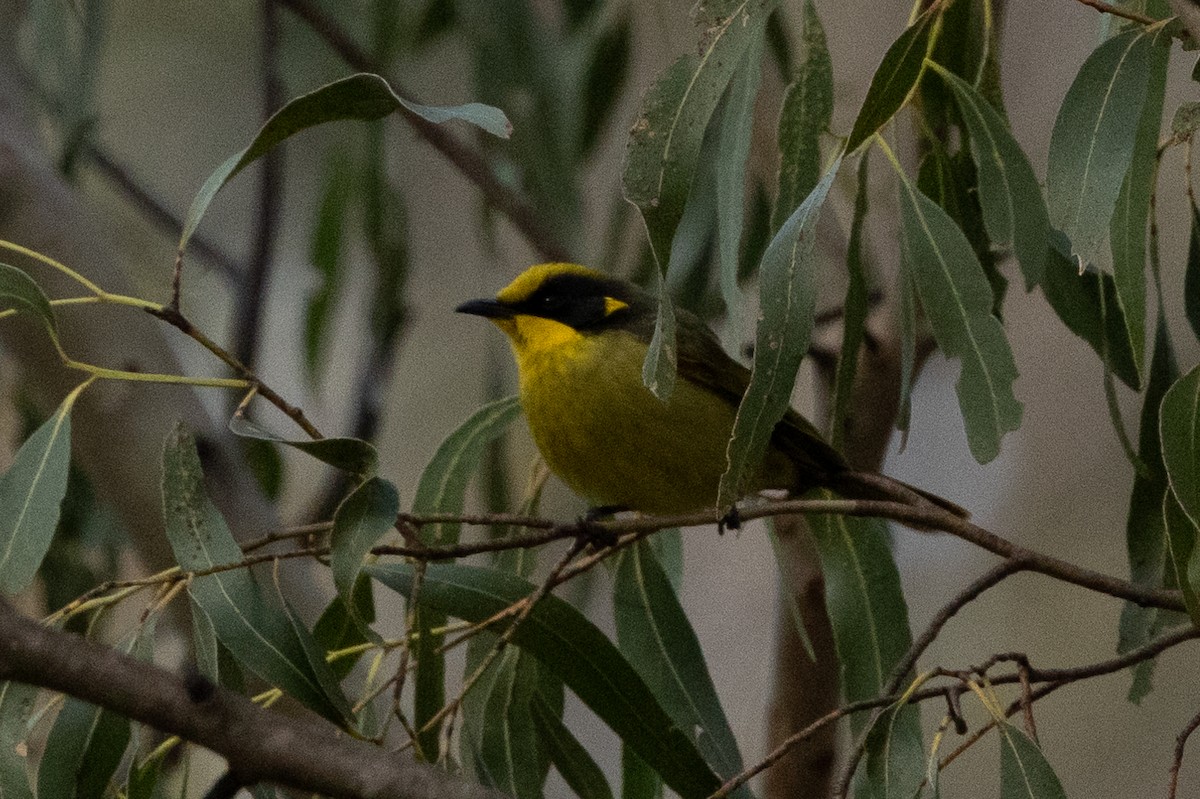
(597, 534)
(730, 521)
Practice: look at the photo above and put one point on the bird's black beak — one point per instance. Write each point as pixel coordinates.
(489, 309)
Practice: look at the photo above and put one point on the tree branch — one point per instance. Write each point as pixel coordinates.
(304, 753)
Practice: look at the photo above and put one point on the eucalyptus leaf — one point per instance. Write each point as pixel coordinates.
(957, 300)
(1013, 209)
(895, 78)
(1179, 425)
(261, 636)
(1024, 771)
(664, 142)
(20, 292)
(571, 647)
(1181, 543)
(570, 758)
(325, 252)
(1145, 528)
(854, 315)
(1191, 277)
(359, 522)
(363, 96)
(16, 700)
(787, 292)
(895, 755)
(655, 636)
(82, 752)
(1092, 144)
(31, 495)
(806, 113)
(351, 455)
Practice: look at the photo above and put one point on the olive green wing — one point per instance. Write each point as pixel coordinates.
(703, 361)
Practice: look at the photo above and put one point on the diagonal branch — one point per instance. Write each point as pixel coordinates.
(304, 753)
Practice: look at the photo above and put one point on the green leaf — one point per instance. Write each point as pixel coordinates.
(352, 455)
(607, 72)
(16, 700)
(854, 313)
(1024, 771)
(82, 752)
(1092, 144)
(570, 759)
(866, 607)
(442, 489)
(31, 495)
(807, 113)
(1127, 230)
(664, 143)
(571, 647)
(1179, 426)
(1181, 543)
(363, 97)
(908, 352)
(895, 754)
(957, 300)
(895, 78)
(342, 624)
(261, 636)
(787, 292)
(1191, 278)
(1013, 209)
(1097, 320)
(658, 370)
(443, 484)
(503, 740)
(19, 292)
(362, 519)
(655, 636)
(733, 137)
(1145, 529)
(325, 252)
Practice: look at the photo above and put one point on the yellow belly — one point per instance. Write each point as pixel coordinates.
(615, 443)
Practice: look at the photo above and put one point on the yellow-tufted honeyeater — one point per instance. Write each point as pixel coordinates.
(580, 338)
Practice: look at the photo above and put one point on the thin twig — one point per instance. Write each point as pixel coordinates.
(1177, 760)
(1107, 8)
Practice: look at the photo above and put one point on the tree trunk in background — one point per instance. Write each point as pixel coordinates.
(804, 690)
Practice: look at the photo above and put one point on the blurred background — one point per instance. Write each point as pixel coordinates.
(156, 95)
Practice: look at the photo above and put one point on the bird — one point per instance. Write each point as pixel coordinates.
(580, 336)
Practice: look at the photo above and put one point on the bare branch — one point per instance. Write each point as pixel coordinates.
(304, 753)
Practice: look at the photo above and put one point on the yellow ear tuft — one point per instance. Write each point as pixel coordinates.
(526, 283)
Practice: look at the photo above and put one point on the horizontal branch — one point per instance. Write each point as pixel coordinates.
(304, 753)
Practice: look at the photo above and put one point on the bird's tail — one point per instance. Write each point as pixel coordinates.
(869, 485)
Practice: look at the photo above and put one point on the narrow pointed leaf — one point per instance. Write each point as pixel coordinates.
(957, 299)
(787, 293)
(867, 612)
(1127, 230)
(82, 752)
(360, 97)
(1024, 770)
(260, 635)
(895, 754)
(19, 292)
(657, 639)
(343, 624)
(442, 489)
(570, 646)
(325, 253)
(31, 495)
(1009, 194)
(855, 314)
(1091, 146)
(1181, 543)
(664, 143)
(895, 78)
(1191, 278)
(16, 700)
(1145, 528)
(807, 113)
(360, 521)
(1078, 300)
(351, 455)
(570, 758)
(658, 370)
(1179, 426)
(507, 749)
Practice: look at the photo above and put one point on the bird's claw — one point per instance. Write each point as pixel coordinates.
(730, 521)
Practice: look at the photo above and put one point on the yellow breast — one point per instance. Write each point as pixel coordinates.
(602, 431)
